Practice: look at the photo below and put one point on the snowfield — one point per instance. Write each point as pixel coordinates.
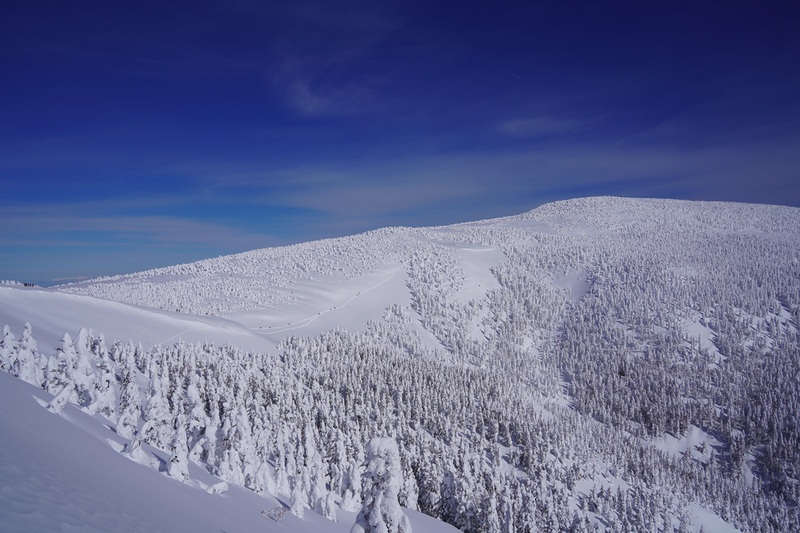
(324, 304)
(594, 364)
(54, 313)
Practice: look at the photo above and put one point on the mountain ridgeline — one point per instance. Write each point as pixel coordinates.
(595, 364)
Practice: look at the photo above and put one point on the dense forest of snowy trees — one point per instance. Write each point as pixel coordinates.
(612, 325)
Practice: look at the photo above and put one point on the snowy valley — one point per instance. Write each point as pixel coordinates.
(598, 364)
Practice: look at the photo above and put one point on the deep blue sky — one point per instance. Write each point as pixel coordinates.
(142, 134)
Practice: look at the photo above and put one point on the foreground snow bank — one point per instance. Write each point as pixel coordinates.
(63, 472)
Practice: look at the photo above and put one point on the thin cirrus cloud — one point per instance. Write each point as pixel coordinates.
(314, 101)
(538, 126)
(40, 226)
(317, 79)
(402, 188)
(47, 239)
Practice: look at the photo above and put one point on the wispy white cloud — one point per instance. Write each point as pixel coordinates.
(318, 79)
(428, 189)
(538, 126)
(311, 100)
(60, 225)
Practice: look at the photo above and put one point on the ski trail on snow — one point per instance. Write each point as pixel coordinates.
(304, 322)
(179, 335)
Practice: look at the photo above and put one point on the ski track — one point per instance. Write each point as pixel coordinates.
(179, 335)
(302, 323)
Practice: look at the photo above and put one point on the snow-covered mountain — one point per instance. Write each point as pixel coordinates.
(600, 363)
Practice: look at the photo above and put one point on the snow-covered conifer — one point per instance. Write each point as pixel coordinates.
(8, 349)
(381, 511)
(298, 506)
(30, 365)
(83, 370)
(158, 428)
(179, 452)
(104, 400)
(130, 399)
(60, 375)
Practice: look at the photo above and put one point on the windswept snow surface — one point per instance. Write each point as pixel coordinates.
(323, 304)
(53, 313)
(61, 472)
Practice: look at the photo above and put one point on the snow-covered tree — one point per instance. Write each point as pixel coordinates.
(381, 511)
(30, 364)
(130, 398)
(8, 350)
(179, 458)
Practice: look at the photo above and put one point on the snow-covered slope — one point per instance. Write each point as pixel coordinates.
(55, 313)
(600, 362)
(309, 288)
(62, 472)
